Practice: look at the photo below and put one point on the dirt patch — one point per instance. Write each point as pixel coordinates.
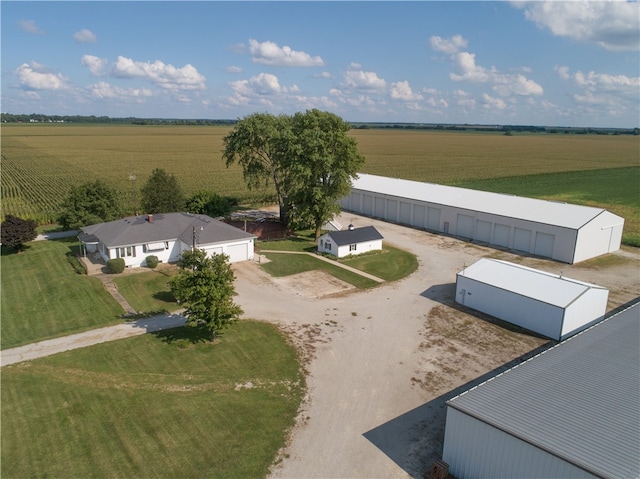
(314, 284)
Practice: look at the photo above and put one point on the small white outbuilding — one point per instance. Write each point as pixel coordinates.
(551, 305)
(352, 241)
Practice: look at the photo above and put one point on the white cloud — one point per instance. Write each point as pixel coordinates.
(502, 83)
(402, 91)
(84, 36)
(104, 90)
(233, 69)
(269, 53)
(95, 64)
(36, 77)
(30, 26)
(491, 103)
(262, 89)
(450, 46)
(164, 75)
(359, 79)
(614, 25)
(603, 88)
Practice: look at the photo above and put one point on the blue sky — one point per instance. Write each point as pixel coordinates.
(571, 63)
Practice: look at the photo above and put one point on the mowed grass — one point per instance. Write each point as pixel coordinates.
(42, 296)
(149, 291)
(389, 264)
(154, 406)
(40, 162)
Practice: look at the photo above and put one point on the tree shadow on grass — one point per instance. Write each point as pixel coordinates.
(8, 251)
(185, 336)
(164, 296)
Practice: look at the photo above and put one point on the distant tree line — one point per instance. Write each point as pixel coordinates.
(40, 118)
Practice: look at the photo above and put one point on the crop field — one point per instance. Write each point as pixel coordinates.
(41, 162)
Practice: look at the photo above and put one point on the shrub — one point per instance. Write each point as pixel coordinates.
(116, 265)
(76, 264)
(152, 261)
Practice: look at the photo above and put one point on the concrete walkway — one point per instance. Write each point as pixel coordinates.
(89, 338)
(327, 260)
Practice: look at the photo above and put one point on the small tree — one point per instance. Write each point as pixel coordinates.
(162, 193)
(90, 203)
(204, 286)
(210, 203)
(15, 232)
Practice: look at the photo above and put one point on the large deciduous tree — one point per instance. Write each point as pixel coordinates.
(323, 160)
(259, 143)
(210, 203)
(15, 232)
(205, 287)
(162, 193)
(90, 203)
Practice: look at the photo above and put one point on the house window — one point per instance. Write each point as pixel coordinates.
(352, 247)
(128, 251)
(327, 245)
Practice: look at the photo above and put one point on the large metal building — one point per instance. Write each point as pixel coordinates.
(572, 411)
(551, 305)
(560, 231)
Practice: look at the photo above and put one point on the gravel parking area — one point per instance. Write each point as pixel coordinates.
(381, 363)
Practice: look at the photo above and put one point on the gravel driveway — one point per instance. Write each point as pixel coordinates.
(382, 362)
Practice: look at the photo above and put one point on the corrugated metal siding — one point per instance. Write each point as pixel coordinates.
(579, 400)
(559, 214)
(527, 282)
(476, 450)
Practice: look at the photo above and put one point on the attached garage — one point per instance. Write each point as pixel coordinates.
(553, 306)
(560, 231)
(573, 411)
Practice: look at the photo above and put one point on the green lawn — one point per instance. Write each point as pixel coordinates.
(149, 291)
(42, 297)
(390, 264)
(157, 405)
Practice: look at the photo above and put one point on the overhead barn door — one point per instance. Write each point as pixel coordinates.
(379, 207)
(433, 220)
(418, 215)
(392, 210)
(522, 240)
(483, 231)
(405, 213)
(367, 205)
(464, 226)
(501, 235)
(544, 244)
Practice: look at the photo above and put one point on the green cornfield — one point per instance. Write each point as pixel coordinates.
(41, 162)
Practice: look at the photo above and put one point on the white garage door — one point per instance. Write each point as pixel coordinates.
(405, 213)
(544, 244)
(501, 234)
(212, 251)
(367, 205)
(379, 206)
(483, 231)
(238, 252)
(464, 226)
(392, 210)
(522, 239)
(418, 215)
(433, 220)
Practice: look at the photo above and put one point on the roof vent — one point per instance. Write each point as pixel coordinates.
(351, 227)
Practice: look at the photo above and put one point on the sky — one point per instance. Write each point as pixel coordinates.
(553, 63)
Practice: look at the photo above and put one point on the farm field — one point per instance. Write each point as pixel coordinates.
(40, 162)
(165, 404)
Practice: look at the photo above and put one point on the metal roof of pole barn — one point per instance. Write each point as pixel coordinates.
(530, 209)
(579, 400)
(549, 288)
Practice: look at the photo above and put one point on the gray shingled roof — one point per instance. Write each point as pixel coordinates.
(356, 235)
(579, 400)
(136, 230)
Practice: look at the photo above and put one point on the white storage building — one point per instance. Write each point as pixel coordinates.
(572, 411)
(560, 231)
(551, 305)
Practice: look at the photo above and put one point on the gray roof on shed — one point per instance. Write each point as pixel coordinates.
(529, 209)
(579, 400)
(354, 236)
(136, 230)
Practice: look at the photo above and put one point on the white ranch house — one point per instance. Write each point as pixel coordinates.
(351, 241)
(165, 236)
